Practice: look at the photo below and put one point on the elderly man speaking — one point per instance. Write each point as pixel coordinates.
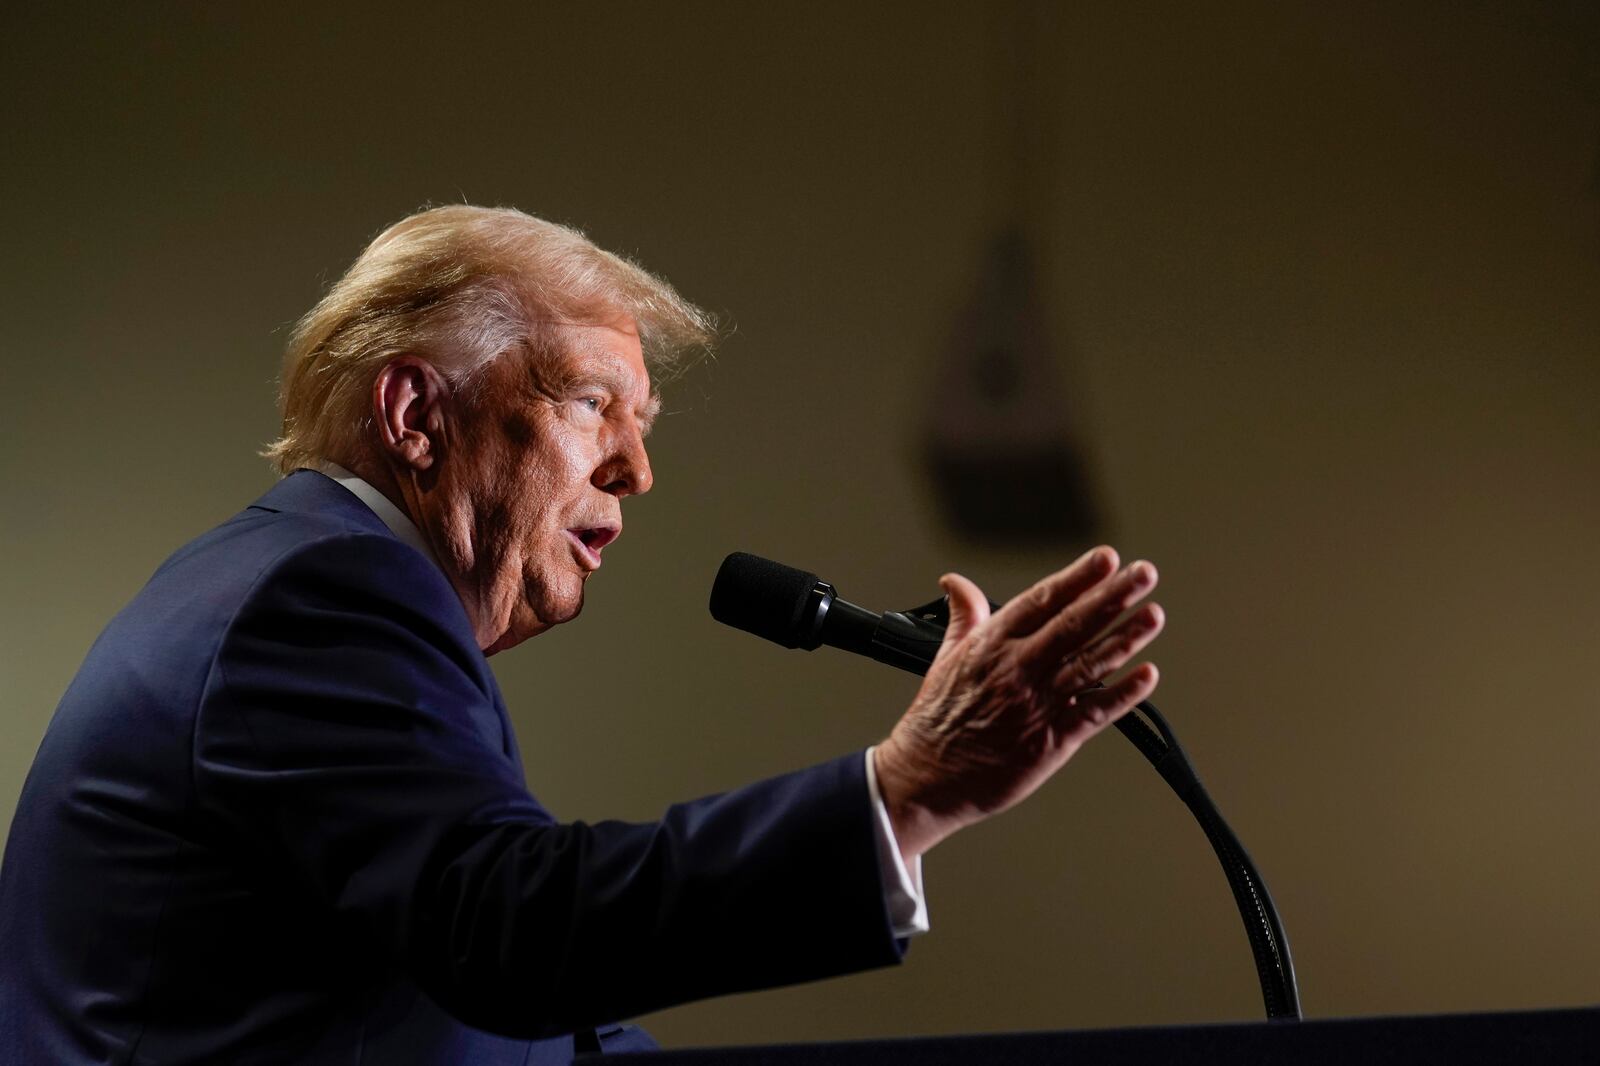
(279, 815)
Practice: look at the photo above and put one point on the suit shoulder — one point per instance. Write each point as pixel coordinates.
(261, 533)
(324, 583)
(260, 545)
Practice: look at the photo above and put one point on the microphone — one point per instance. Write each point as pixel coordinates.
(797, 609)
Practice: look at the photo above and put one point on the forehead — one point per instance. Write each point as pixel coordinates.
(614, 346)
(575, 353)
(564, 352)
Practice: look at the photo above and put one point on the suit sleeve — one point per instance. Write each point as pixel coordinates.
(348, 745)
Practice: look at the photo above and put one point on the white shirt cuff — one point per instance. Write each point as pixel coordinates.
(902, 888)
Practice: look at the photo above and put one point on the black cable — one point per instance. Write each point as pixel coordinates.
(1269, 945)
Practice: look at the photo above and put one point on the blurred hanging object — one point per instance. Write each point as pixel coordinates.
(999, 440)
(999, 444)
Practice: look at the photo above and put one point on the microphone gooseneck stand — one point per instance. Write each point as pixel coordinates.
(1268, 942)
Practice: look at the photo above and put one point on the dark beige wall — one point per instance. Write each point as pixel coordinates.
(1329, 279)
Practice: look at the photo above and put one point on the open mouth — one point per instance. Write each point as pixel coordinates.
(590, 540)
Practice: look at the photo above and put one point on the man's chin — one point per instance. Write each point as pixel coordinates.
(528, 623)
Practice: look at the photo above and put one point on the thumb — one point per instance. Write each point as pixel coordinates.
(969, 607)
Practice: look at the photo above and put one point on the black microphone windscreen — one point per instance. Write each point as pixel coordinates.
(763, 597)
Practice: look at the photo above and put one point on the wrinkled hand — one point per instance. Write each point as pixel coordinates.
(1008, 699)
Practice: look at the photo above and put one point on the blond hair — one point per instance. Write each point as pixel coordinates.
(460, 286)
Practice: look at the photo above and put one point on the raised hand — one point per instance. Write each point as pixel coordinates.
(1011, 697)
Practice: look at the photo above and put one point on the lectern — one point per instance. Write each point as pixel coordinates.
(1536, 1038)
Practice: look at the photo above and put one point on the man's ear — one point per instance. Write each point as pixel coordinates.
(410, 405)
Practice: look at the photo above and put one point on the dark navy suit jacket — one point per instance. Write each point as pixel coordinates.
(279, 817)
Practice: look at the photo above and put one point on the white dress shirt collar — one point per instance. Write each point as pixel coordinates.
(380, 505)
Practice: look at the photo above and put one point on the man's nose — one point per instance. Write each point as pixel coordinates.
(627, 472)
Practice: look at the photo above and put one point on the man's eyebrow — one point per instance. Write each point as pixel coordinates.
(648, 413)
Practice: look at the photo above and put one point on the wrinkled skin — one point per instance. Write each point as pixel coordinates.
(1008, 699)
(505, 487)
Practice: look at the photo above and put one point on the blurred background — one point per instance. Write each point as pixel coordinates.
(1311, 305)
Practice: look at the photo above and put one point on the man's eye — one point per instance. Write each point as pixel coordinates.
(592, 403)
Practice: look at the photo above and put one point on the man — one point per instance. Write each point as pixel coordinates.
(279, 815)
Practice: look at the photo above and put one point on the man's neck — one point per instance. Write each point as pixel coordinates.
(386, 505)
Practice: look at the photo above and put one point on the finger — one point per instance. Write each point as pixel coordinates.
(969, 607)
(1080, 622)
(1035, 606)
(1089, 712)
(1112, 651)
